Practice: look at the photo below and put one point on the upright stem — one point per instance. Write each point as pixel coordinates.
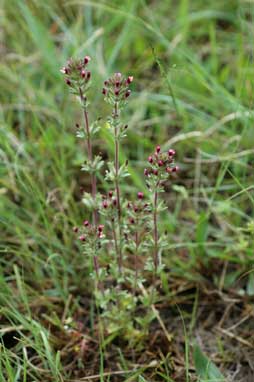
(98, 284)
(116, 245)
(136, 258)
(119, 212)
(117, 160)
(155, 230)
(89, 153)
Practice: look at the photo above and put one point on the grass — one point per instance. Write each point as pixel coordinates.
(194, 77)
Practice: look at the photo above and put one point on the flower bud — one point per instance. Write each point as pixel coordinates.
(68, 81)
(106, 83)
(129, 80)
(64, 70)
(169, 170)
(86, 60)
(116, 92)
(104, 91)
(140, 195)
(175, 169)
(171, 152)
(146, 172)
(86, 223)
(127, 93)
(105, 204)
(132, 221)
(82, 238)
(118, 76)
(158, 149)
(117, 84)
(160, 163)
(110, 194)
(155, 172)
(83, 73)
(150, 159)
(88, 75)
(75, 229)
(100, 227)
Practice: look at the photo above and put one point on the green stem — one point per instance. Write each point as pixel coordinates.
(155, 230)
(89, 153)
(118, 199)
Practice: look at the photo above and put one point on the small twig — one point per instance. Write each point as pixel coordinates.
(10, 329)
(237, 338)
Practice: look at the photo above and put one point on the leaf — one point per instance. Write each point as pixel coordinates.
(202, 231)
(202, 228)
(206, 369)
(141, 379)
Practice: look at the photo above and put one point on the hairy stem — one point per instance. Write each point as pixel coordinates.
(119, 212)
(136, 258)
(155, 230)
(89, 153)
(115, 242)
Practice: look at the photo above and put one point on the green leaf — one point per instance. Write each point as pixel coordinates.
(141, 379)
(206, 370)
(202, 228)
(202, 231)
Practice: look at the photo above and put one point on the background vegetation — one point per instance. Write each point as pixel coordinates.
(193, 67)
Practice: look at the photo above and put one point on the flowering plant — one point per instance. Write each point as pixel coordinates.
(120, 237)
